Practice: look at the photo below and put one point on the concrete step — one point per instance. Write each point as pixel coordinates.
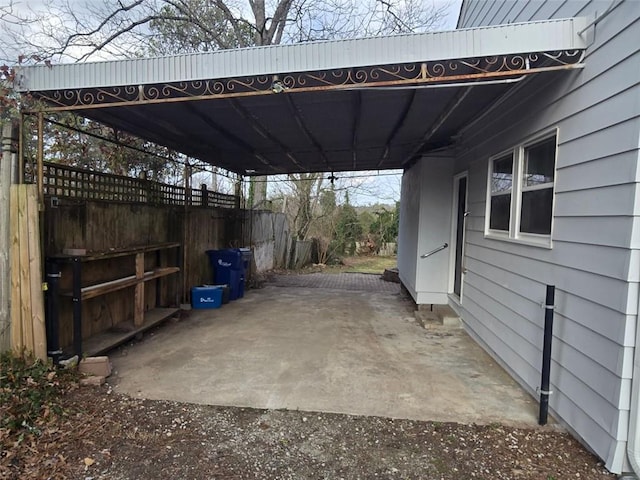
(439, 315)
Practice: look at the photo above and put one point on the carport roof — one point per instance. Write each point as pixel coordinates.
(359, 104)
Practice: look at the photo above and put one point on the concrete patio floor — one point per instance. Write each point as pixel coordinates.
(322, 349)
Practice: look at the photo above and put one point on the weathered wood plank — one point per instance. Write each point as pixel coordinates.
(100, 289)
(17, 343)
(25, 273)
(122, 252)
(138, 312)
(32, 242)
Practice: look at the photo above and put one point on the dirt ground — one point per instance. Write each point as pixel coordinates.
(102, 434)
(105, 435)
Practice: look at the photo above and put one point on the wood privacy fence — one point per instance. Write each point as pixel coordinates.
(28, 331)
(72, 182)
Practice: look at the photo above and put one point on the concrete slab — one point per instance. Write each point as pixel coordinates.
(323, 350)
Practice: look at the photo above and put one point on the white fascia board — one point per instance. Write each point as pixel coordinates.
(516, 38)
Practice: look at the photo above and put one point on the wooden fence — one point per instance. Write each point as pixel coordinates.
(72, 182)
(28, 331)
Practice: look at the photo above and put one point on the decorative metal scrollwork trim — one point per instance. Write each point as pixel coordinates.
(468, 69)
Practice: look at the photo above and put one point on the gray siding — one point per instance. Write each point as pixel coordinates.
(595, 254)
(476, 13)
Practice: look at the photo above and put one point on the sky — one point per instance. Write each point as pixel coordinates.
(453, 9)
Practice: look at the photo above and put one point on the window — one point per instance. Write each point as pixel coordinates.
(501, 187)
(520, 203)
(537, 187)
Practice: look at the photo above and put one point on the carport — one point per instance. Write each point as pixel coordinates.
(365, 104)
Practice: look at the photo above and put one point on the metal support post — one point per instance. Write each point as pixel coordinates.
(76, 266)
(53, 312)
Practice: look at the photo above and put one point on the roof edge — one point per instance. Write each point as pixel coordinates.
(515, 38)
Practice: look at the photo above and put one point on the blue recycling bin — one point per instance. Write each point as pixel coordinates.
(228, 269)
(246, 258)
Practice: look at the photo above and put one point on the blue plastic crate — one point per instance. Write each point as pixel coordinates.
(208, 296)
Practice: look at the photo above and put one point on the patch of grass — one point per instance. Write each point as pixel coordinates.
(369, 264)
(358, 264)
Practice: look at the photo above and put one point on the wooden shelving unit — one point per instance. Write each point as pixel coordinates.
(142, 320)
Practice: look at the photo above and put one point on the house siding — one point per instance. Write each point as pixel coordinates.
(476, 13)
(594, 256)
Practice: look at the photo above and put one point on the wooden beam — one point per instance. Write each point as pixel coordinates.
(98, 289)
(138, 313)
(32, 245)
(17, 343)
(24, 272)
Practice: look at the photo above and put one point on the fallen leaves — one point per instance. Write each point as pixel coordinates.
(114, 436)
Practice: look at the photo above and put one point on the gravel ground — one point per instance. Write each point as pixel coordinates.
(110, 436)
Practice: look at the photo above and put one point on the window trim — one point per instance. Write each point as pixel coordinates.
(517, 188)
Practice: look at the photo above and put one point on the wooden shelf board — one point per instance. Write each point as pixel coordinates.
(114, 285)
(160, 272)
(105, 341)
(122, 252)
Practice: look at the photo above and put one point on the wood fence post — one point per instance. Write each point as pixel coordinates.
(205, 195)
(5, 278)
(238, 192)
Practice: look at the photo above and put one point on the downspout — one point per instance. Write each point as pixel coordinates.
(546, 355)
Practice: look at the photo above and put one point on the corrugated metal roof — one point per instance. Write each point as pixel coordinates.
(517, 38)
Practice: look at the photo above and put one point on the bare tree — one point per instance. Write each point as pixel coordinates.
(108, 29)
(71, 29)
(12, 20)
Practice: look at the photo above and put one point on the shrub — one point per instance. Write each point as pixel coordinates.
(29, 394)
